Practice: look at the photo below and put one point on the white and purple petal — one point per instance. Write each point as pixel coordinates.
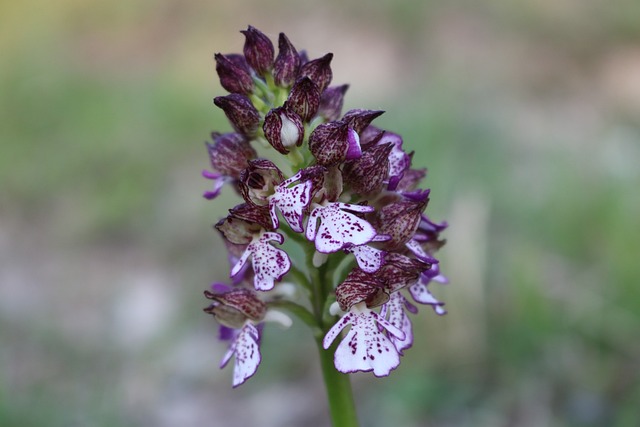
(365, 347)
(338, 228)
(395, 308)
(421, 294)
(269, 262)
(246, 350)
(292, 202)
(218, 182)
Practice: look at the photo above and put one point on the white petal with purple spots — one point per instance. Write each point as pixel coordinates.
(269, 263)
(338, 228)
(395, 307)
(246, 350)
(364, 348)
(291, 202)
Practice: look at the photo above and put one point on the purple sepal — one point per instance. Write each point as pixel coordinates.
(400, 271)
(365, 348)
(287, 64)
(399, 220)
(233, 77)
(360, 286)
(359, 119)
(319, 71)
(226, 333)
(330, 142)
(229, 153)
(367, 174)
(218, 182)
(304, 98)
(258, 50)
(241, 113)
(421, 294)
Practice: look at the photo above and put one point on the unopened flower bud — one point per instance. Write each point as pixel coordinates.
(287, 64)
(283, 128)
(258, 50)
(333, 142)
(331, 102)
(233, 77)
(229, 153)
(319, 71)
(241, 113)
(304, 98)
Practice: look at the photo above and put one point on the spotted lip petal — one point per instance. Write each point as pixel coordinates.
(398, 318)
(291, 201)
(269, 263)
(246, 350)
(338, 228)
(369, 259)
(364, 348)
(421, 294)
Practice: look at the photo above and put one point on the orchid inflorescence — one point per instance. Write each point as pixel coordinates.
(332, 227)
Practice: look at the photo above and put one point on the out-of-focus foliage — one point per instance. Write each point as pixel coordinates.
(527, 115)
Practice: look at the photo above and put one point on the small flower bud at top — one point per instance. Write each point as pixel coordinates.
(233, 77)
(241, 113)
(360, 119)
(287, 64)
(258, 50)
(319, 71)
(304, 98)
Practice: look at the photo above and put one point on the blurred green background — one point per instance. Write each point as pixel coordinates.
(526, 113)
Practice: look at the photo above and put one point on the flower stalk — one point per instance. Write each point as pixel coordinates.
(331, 227)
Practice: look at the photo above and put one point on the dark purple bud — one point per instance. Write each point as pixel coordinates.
(304, 98)
(399, 220)
(319, 71)
(243, 222)
(229, 153)
(360, 119)
(283, 128)
(258, 50)
(241, 113)
(287, 64)
(330, 142)
(232, 308)
(399, 271)
(358, 287)
(366, 174)
(233, 77)
(331, 102)
(258, 181)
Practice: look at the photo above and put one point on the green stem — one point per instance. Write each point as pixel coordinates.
(339, 393)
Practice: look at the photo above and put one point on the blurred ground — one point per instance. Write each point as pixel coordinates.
(526, 113)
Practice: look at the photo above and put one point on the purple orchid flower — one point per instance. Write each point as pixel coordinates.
(339, 228)
(269, 263)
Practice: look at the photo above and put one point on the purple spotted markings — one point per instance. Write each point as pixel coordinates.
(364, 348)
(245, 347)
(331, 209)
(269, 262)
(291, 202)
(339, 228)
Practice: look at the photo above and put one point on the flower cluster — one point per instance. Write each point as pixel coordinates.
(335, 210)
